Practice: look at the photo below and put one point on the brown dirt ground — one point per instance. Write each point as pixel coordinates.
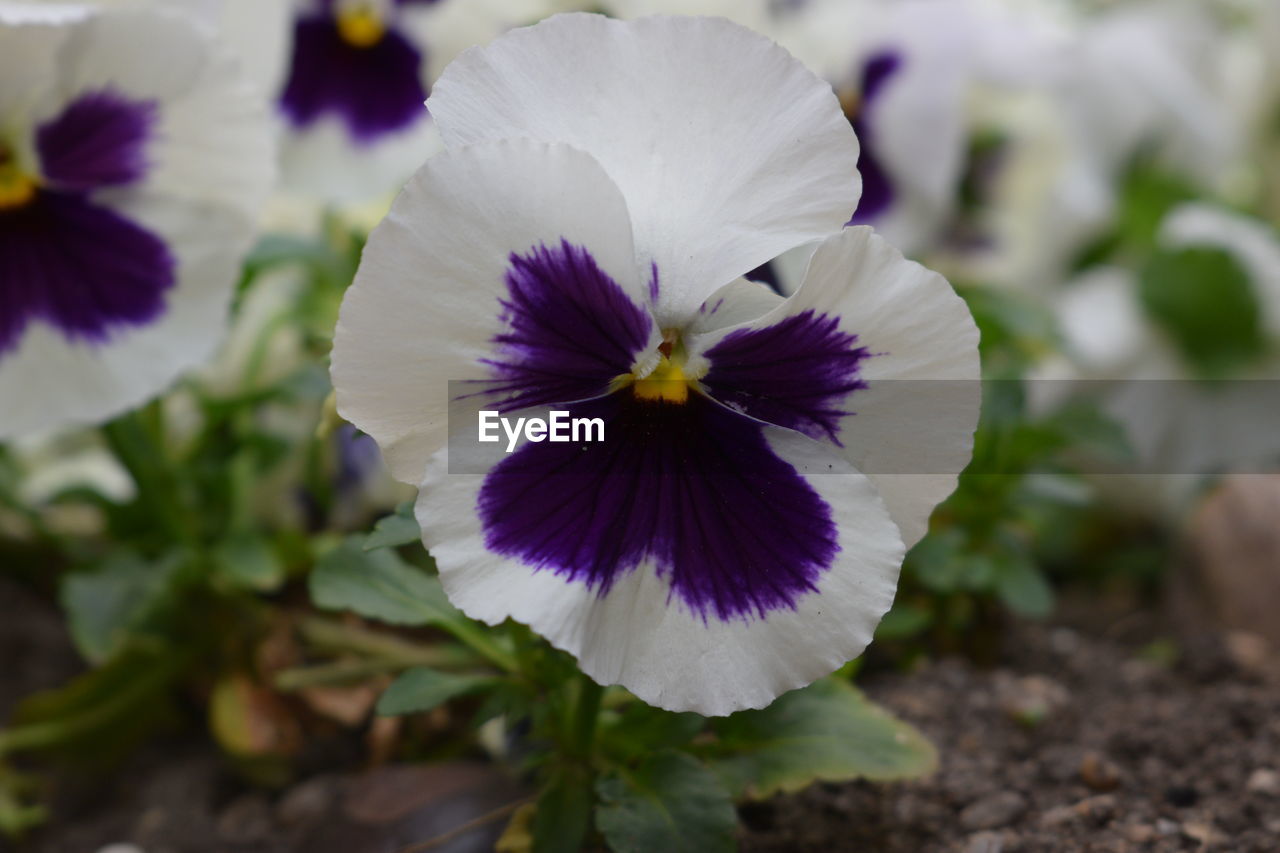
(1084, 737)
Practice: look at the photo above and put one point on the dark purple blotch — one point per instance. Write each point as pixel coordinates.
(375, 90)
(99, 140)
(78, 265)
(797, 373)
(877, 188)
(695, 488)
(569, 329)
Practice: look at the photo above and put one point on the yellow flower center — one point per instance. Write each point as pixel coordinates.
(668, 383)
(360, 25)
(17, 188)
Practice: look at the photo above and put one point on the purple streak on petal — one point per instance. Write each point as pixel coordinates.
(375, 90)
(877, 188)
(80, 267)
(98, 140)
(570, 329)
(797, 373)
(693, 488)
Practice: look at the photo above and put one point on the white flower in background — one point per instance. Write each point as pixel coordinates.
(133, 160)
(1176, 424)
(579, 245)
(356, 78)
(1137, 80)
(902, 71)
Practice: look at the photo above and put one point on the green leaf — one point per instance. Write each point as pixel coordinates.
(641, 729)
(904, 620)
(249, 562)
(399, 528)
(101, 713)
(379, 585)
(422, 689)
(825, 732)
(670, 802)
(1022, 586)
(1204, 300)
(562, 818)
(103, 607)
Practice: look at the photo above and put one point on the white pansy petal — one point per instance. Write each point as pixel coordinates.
(427, 302)
(48, 381)
(115, 285)
(212, 142)
(739, 301)
(727, 149)
(864, 315)
(644, 636)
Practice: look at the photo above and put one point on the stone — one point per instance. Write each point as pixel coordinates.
(1263, 781)
(993, 811)
(1099, 772)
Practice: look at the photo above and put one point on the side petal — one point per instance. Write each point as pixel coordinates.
(659, 101)
(681, 643)
(431, 299)
(910, 428)
(212, 139)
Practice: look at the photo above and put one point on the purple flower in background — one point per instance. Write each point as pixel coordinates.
(859, 105)
(126, 197)
(580, 246)
(356, 61)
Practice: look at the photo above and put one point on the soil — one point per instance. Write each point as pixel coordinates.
(1085, 736)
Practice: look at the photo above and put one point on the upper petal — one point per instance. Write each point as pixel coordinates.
(727, 149)
(909, 423)
(432, 302)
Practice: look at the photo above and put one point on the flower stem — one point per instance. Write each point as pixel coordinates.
(582, 720)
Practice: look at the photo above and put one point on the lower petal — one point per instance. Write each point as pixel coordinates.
(376, 90)
(81, 268)
(703, 569)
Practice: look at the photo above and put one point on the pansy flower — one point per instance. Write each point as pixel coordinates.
(579, 246)
(356, 79)
(902, 71)
(132, 163)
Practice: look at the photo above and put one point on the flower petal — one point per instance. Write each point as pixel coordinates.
(910, 430)
(212, 141)
(80, 267)
(656, 101)
(432, 297)
(756, 567)
(48, 381)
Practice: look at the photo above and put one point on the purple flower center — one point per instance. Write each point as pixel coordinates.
(362, 70)
(877, 188)
(686, 481)
(66, 259)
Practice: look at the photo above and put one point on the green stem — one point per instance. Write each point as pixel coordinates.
(42, 735)
(582, 720)
(137, 440)
(340, 637)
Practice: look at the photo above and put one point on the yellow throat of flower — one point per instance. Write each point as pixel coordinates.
(360, 24)
(17, 188)
(668, 382)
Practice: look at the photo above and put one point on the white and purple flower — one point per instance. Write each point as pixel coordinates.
(132, 163)
(580, 244)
